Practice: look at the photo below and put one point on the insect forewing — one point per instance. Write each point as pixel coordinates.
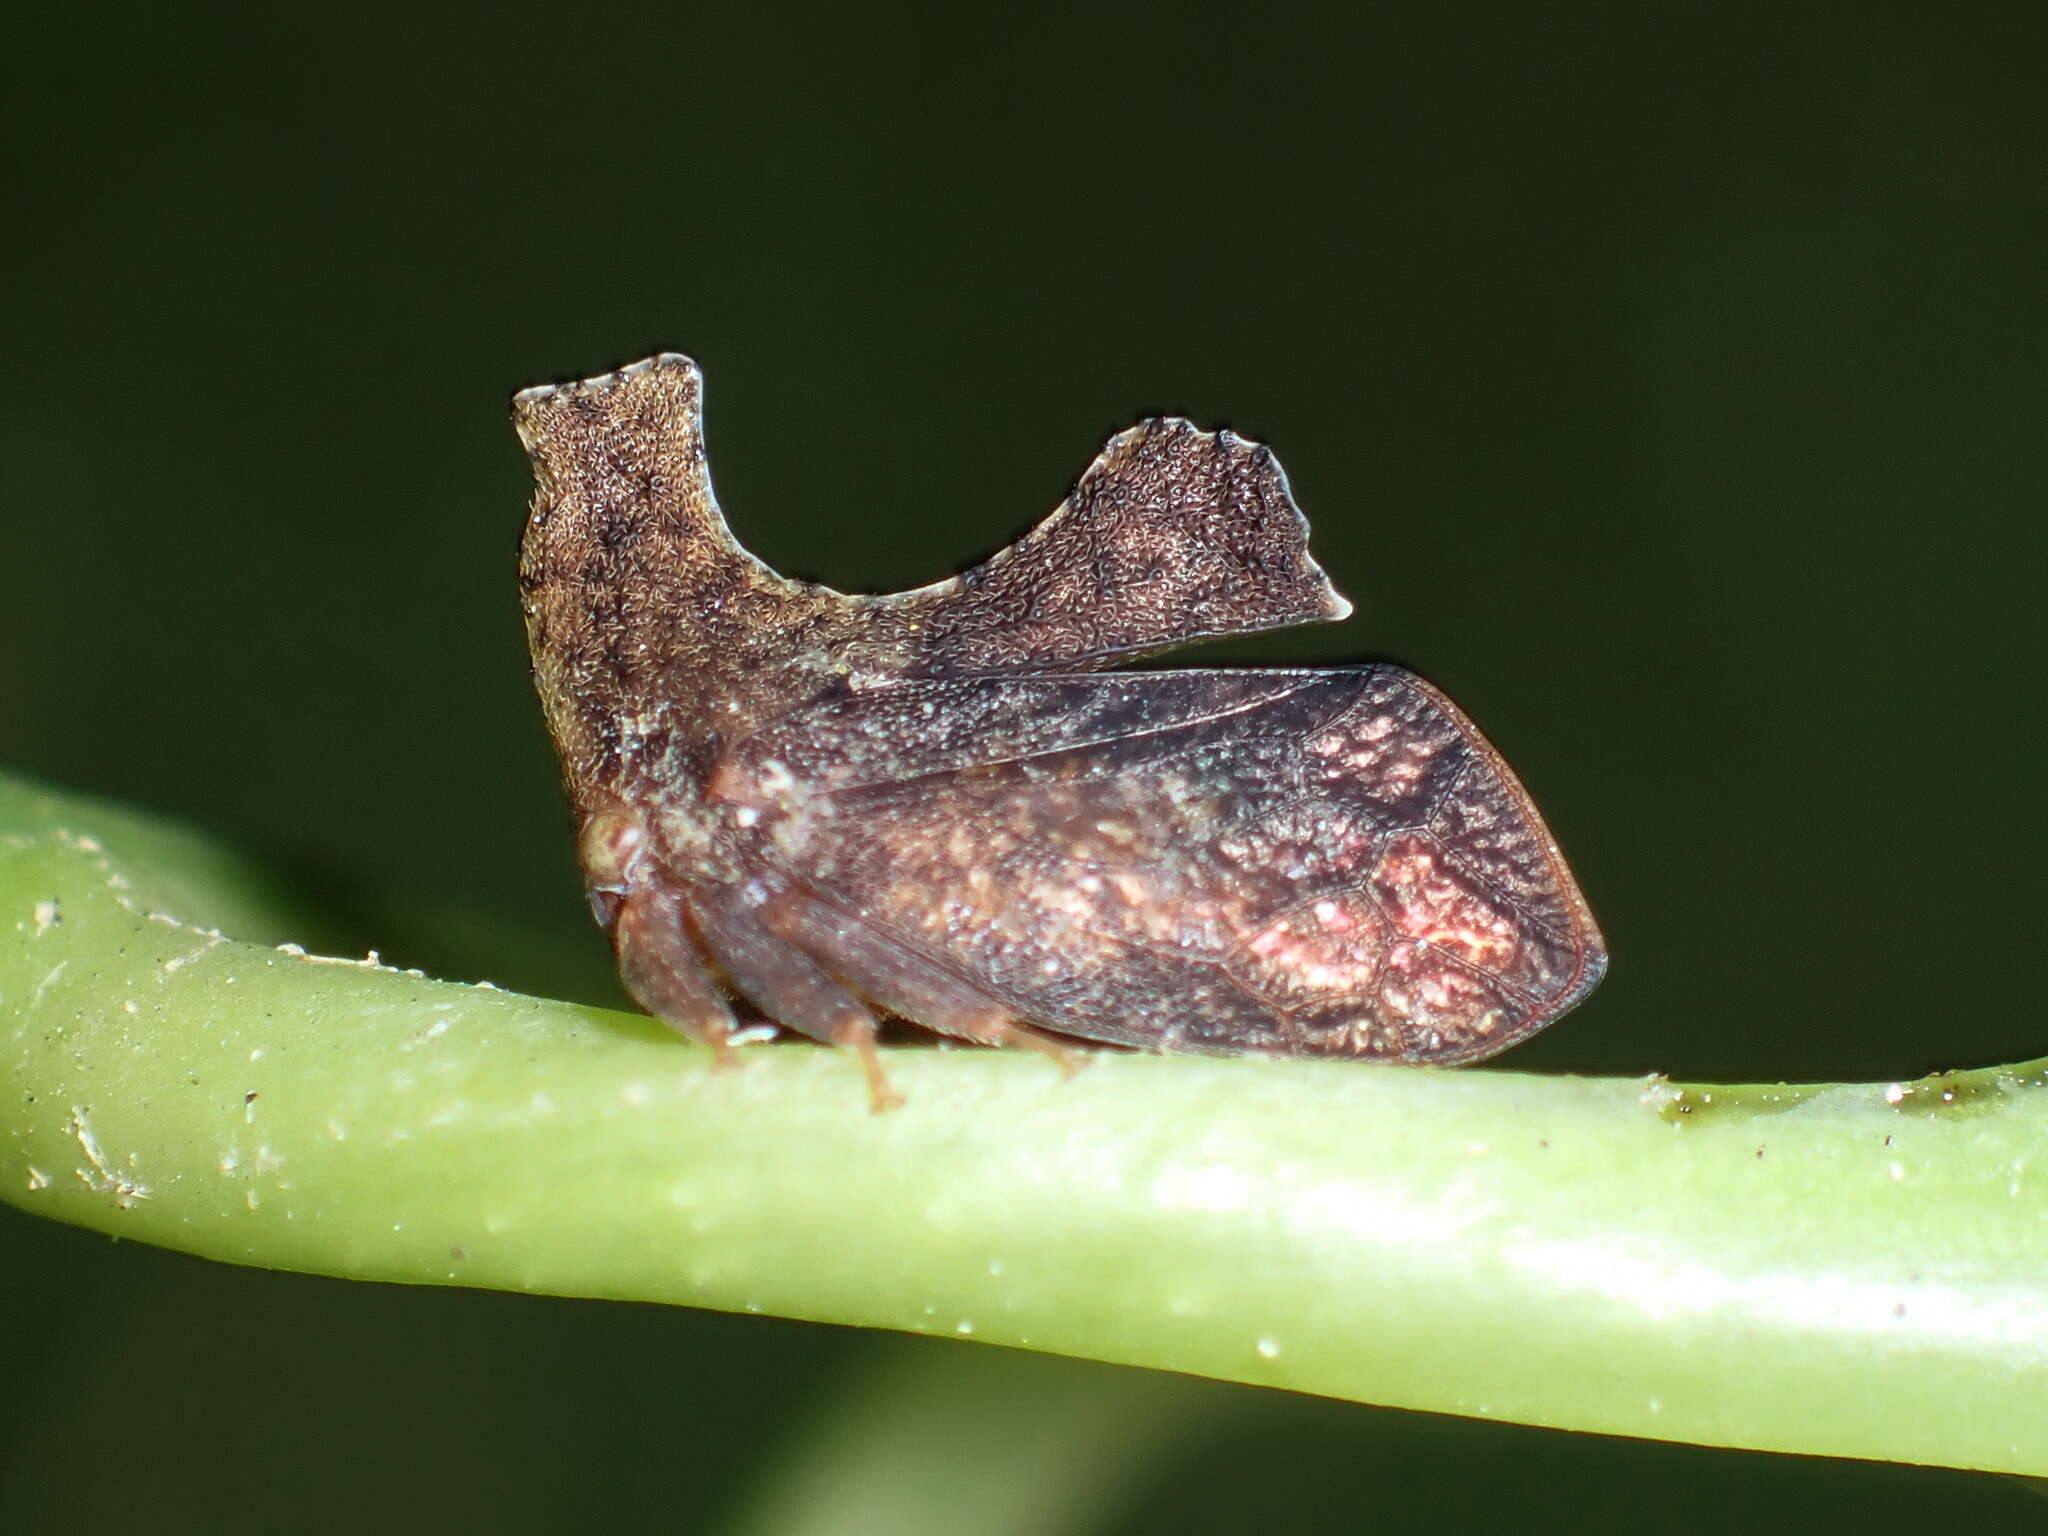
(1225, 862)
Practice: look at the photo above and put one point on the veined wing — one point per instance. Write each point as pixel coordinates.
(1225, 862)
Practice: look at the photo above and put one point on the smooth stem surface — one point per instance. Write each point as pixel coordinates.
(1856, 1270)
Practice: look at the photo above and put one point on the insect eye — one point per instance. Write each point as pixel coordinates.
(611, 839)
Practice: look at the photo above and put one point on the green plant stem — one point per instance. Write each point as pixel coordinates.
(1855, 1270)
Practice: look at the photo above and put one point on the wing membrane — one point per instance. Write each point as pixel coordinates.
(1227, 862)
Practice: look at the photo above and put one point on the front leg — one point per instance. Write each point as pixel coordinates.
(661, 966)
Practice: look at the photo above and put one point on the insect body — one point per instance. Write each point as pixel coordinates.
(935, 804)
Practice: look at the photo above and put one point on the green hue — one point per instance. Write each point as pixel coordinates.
(1855, 1270)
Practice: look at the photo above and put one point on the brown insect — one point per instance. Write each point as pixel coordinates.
(934, 804)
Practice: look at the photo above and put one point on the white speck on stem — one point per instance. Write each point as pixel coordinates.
(46, 983)
(101, 1179)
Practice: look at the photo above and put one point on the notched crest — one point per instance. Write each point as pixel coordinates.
(932, 805)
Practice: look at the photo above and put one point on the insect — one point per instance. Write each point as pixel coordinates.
(936, 804)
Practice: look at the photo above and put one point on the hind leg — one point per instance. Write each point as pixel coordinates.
(788, 985)
(903, 982)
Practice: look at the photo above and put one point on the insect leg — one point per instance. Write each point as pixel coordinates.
(902, 982)
(661, 968)
(788, 985)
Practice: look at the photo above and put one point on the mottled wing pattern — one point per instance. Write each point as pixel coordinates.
(1172, 535)
(1224, 862)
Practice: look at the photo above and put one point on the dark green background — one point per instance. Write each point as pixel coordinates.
(1664, 380)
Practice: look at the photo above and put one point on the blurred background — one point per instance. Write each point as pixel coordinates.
(1664, 380)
